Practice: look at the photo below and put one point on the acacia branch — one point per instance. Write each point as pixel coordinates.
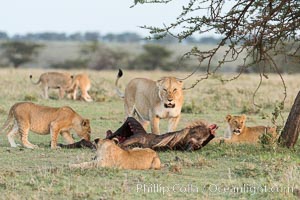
(257, 29)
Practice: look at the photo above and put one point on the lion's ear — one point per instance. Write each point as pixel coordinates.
(85, 122)
(180, 81)
(97, 140)
(116, 140)
(244, 117)
(158, 83)
(228, 118)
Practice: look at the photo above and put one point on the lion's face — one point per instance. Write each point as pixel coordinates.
(236, 123)
(170, 91)
(84, 130)
(98, 142)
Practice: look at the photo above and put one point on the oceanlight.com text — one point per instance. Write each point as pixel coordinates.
(211, 188)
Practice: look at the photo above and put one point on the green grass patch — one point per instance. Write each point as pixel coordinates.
(214, 172)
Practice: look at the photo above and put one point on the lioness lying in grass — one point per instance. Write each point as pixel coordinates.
(109, 154)
(240, 133)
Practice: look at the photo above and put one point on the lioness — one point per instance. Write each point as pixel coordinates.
(55, 80)
(83, 82)
(44, 120)
(109, 154)
(240, 133)
(153, 100)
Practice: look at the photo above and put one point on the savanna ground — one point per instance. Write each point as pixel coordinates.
(214, 172)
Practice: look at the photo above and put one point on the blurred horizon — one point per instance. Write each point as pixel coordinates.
(34, 16)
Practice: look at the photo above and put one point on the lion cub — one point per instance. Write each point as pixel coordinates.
(243, 134)
(109, 154)
(44, 120)
(54, 80)
(82, 82)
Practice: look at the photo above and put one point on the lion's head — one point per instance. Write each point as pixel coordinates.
(170, 91)
(104, 143)
(83, 129)
(236, 123)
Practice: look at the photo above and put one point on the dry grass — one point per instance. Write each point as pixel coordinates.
(43, 173)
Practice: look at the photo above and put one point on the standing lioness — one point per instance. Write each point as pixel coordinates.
(44, 120)
(54, 80)
(153, 100)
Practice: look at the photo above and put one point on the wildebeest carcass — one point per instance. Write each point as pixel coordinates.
(191, 138)
(132, 134)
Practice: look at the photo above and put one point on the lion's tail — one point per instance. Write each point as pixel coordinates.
(10, 117)
(35, 83)
(120, 74)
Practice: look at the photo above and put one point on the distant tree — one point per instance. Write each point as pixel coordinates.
(209, 40)
(17, 37)
(154, 57)
(51, 36)
(89, 48)
(3, 36)
(128, 37)
(107, 58)
(91, 36)
(123, 37)
(100, 56)
(30, 36)
(191, 40)
(110, 37)
(76, 37)
(48, 36)
(70, 64)
(257, 30)
(165, 40)
(19, 53)
(88, 51)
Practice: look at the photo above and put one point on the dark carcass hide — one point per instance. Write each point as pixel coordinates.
(81, 144)
(193, 137)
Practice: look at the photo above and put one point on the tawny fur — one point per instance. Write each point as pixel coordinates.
(240, 133)
(152, 100)
(111, 155)
(54, 80)
(44, 120)
(82, 82)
